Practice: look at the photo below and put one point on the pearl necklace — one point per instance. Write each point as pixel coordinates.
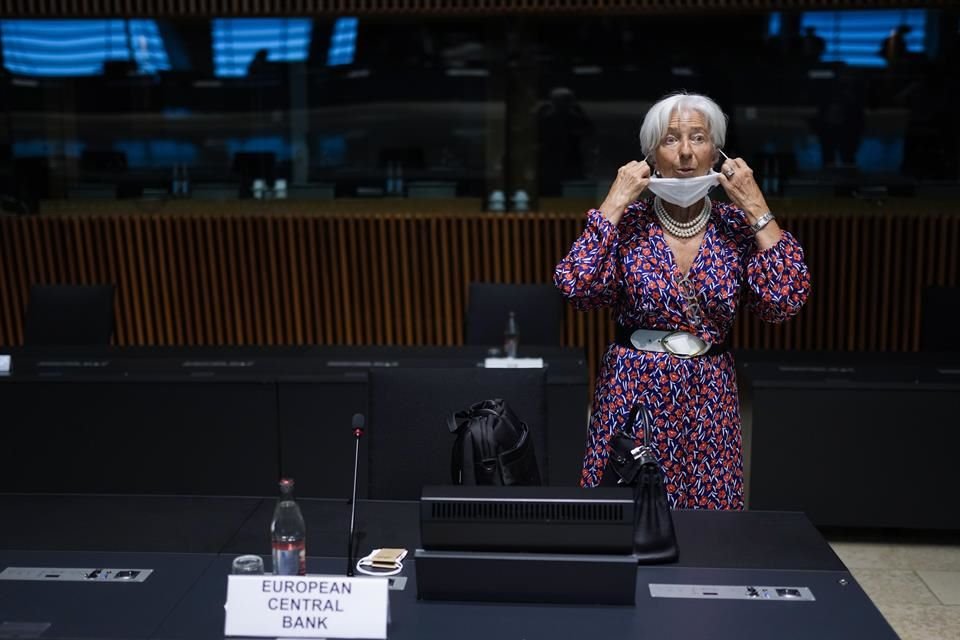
(682, 229)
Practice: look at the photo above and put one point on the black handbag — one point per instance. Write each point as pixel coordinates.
(654, 540)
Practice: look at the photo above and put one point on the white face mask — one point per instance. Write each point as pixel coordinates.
(683, 192)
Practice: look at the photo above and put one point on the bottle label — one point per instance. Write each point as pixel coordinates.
(510, 346)
(288, 560)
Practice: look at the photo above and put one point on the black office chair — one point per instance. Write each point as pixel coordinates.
(410, 445)
(539, 311)
(69, 315)
(939, 307)
(250, 166)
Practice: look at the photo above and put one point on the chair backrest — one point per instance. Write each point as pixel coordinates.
(69, 315)
(940, 307)
(410, 445)
(539, 311)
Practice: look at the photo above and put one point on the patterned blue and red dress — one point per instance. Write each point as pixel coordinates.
(693, 403)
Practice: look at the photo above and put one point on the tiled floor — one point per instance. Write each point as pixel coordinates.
(916, 586)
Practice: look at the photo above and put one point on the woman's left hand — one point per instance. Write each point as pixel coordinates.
(737, 180)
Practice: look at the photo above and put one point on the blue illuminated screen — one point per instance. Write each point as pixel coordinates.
(80, 47)
(855, 37)
(237, 40)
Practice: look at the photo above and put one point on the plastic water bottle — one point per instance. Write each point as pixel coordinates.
(520, 202)
(288, 534)
(497, 201)
(389, 186)
(175, 181)
(511, 336)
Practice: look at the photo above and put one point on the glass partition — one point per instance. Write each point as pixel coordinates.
(509, 111)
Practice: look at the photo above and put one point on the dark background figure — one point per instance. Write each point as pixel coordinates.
(893, 48)
(840, 118)
(259, 64)
(812, 46)
(563, 127)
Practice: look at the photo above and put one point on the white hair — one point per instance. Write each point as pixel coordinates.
(657, 120)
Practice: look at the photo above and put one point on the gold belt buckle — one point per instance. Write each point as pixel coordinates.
(665, 343)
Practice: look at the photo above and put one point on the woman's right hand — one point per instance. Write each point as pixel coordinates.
(632, 179)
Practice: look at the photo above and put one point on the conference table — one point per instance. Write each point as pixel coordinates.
(231, 420)
(189, 543)
(828, 427)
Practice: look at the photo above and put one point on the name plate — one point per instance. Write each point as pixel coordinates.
(306, 606)
(4, 363)
(513, 363)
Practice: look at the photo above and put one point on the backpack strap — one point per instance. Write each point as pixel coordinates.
(456, 423)
(469, 475)
(456, 460)
(462, 469)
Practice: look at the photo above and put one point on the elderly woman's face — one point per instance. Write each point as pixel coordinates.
(686, 150)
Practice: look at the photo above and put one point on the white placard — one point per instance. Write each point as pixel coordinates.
(4, 363)
(306, 606)
(513, 363)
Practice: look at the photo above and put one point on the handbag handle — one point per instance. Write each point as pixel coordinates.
(640, 409)
(646, 426)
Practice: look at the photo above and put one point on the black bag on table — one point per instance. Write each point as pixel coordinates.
(493, 447)
(654, 540)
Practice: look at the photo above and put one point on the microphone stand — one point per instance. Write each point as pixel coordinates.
(357, 432)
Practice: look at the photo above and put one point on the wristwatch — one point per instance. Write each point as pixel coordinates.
(761, 222)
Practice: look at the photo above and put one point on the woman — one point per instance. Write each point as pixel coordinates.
(672, 266)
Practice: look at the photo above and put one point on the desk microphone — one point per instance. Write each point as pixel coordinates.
(358, 422)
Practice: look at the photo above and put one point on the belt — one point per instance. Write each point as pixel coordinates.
(681, 344)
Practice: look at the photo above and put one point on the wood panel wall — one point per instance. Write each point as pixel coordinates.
(402, 279)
